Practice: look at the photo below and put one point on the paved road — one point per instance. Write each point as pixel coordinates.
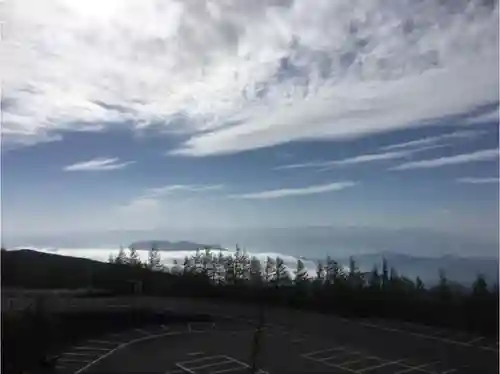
(297, 336)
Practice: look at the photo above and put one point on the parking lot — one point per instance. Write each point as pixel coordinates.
(226, 347)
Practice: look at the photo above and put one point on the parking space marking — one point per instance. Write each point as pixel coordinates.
(91, 348)
(388, 363)
(74, 360)
(220, 360)
(417, 368)
(103, 342)
(143, 332)
(195, 353)
(425, 336)
(475, 340)
(307, 355)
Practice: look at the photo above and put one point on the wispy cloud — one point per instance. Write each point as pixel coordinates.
(466, 134)
(492, 116)
(286, 192)
(473, 180)
(98, 164)
(235, 76)
(366, 158)
(484, 155)
(165, 190)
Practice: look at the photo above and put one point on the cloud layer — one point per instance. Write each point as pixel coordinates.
(98, 164)
(234, 76)
(484, 155)
(286, 192)
(474, 180)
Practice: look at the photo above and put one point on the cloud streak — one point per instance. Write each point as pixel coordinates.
(287, 192)
(235, 76)
(466, 134)
(474, 180)
(98, 164)
(361, 159)
(484, 155)
(166, 190)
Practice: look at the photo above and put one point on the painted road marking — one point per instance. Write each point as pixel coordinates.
(92, 348)
(416, 368)
(445, 340)
(388, 363)
(81, 370)
(77, 354)
(195, 353)
(475, 340)
(143, 332)
(103, 342)
(314, 353)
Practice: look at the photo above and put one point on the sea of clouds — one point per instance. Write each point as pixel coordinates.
(168, 258)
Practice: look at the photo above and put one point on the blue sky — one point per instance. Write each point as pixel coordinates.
(235, 116)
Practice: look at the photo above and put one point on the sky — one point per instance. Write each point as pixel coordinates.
(235, 117)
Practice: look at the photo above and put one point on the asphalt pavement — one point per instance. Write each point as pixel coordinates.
(314, 344)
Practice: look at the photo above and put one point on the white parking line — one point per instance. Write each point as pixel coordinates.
(73, 360)
(103, 342)
(358, 360)
(92, 348)
(314, 353)
(143, 332)
(419, 335)
(475, 340)
(417, 368)
(379, 366)
(195, 353)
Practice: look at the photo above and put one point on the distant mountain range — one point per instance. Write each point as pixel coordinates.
(165, 245)
(463, 270)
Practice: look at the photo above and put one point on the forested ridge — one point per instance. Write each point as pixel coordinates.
(238, 277)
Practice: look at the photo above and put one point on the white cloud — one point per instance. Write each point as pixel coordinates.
(484, 155)
(492, 116)
(240, 75)
(466, 134)
(165, 190)
(310, 190)
(371, 157)
(98, 164)
(474, 180)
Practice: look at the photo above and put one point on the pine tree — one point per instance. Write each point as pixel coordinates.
(255, 271)
(230, 273)
(154, 260)
(374, 280)
(320, 272)
(480, 287)
(133, 258)
(187, 266)
(282, 275)
(301, 275)
(443, 288)
(385, 274)
(333, 272)
(121, 258)
(197, 260)
(419, 284)
(269, 270)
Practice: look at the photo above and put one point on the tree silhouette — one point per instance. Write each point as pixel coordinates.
(133, 258)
